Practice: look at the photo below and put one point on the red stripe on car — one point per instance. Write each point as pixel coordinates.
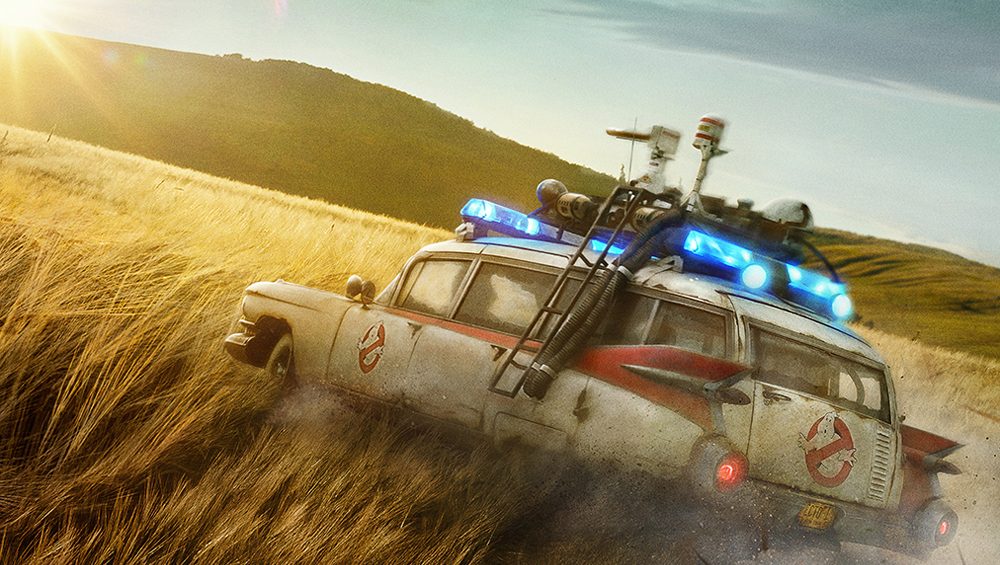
(605, 363)
(501, 339)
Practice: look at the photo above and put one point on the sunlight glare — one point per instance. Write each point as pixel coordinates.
(27, 13)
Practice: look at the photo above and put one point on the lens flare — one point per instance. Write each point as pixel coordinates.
(280, 7)
(27, 13)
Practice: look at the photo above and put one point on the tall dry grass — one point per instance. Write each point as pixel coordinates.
(126, 435)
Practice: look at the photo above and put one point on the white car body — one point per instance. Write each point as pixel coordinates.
(432, 341)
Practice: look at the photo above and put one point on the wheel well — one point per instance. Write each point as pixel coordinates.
(269, 330)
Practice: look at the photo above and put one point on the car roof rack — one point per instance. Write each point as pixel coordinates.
(760, 251)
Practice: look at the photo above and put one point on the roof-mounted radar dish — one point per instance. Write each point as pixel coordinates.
(789, 212)
(662, 142)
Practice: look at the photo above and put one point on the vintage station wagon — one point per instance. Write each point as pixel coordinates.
(719, 361)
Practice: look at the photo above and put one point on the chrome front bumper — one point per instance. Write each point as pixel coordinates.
(245, 346)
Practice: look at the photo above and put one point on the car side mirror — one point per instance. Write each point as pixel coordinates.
(360, 288)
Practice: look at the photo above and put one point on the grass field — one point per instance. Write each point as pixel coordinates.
(127, 435)
(919, 292)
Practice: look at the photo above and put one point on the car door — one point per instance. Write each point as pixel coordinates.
(372, 352)
(456, 356)
(821, 418)
(503, 297)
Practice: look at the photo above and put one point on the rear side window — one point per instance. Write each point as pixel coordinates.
(629, 319)
(689, 328)
(431, 286)
(822, 373)
(504, 298)
(638, 319)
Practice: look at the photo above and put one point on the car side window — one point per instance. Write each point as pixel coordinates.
(689, 328)
(432, 285)
(628, 320)
(818, 372)
(504, 298)
(638, 319)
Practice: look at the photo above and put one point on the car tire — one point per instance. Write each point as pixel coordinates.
(280, 364)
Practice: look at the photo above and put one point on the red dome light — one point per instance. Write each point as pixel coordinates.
(943, 528)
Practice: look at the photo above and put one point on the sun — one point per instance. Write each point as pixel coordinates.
(27, 13)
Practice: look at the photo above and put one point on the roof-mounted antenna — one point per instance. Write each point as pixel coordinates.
(662, 142)
(710, 128)
(631, 148)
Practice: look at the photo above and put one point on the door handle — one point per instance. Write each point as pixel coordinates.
(414, 327)
(498, 351)
(775, 396)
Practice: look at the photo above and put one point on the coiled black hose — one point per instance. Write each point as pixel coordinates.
(593, 305)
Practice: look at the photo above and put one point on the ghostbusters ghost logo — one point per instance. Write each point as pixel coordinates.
(829, 450)
(370, 347)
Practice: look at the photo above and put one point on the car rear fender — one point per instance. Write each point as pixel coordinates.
(924, 457)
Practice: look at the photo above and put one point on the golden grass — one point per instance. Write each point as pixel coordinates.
(128, 436)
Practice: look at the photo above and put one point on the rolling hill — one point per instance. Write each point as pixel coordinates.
(919, 292)
(290, 126)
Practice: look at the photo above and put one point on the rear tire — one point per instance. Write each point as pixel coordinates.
(280, 364)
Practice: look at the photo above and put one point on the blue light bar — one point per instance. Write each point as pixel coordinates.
(599, 246)
(717, 249)
(504, 220)
(759, 273)
(813, 283)
(755, 271)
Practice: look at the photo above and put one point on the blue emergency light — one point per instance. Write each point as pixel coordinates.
(599, 246)
(753, 270)
(504, 220)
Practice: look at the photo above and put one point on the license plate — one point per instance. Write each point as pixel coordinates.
(817, 515)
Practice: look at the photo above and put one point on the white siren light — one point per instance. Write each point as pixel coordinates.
(710, 128)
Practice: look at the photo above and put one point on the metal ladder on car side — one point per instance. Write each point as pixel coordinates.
(511, 385)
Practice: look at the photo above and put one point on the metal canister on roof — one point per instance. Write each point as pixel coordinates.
(709, 131)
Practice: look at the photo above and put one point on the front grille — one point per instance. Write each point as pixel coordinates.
(879, 486)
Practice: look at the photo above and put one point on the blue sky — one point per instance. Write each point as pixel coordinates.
(884, 116)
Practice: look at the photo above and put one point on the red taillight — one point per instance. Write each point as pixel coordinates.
(730, 472)
(726, 472)
(935, 524)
